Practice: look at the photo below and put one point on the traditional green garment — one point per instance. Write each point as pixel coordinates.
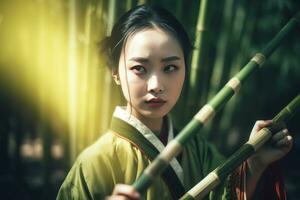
(121, 155)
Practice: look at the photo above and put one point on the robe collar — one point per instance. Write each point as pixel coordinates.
(122, 114)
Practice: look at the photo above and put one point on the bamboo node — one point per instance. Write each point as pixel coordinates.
(260, 138)
(205, 114)
(153, 169)
(204, 186)
(171, 150)
(149, 173)
(289, 110)
(234, 84)
(297, 18)
(259, 59)
(201, 29)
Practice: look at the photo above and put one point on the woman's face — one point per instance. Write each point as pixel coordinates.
(151, 72)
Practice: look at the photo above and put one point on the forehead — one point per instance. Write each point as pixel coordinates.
(153, 42)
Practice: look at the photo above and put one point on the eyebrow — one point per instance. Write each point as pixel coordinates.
(146, 60)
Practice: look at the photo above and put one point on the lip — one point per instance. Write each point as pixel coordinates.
(155, 102)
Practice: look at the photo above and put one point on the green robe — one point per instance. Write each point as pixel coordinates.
(115, 158)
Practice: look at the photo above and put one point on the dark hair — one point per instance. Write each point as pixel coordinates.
(139, 18)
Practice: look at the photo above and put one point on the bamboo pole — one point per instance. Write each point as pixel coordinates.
(208, 111)
(197, 55)
(242, 41)
(224, 42)
(141, 2)
(200, 190)
(129, 4)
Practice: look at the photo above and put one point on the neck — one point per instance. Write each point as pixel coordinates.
(154, 124)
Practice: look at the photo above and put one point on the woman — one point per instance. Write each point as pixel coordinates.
(147, 54)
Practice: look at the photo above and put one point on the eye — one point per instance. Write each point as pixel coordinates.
(170, 68)
(138, 69)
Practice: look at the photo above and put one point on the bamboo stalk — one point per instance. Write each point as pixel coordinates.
(191, 95)
(141, 2)
(207, 111)
(249, 148)
(241, 32)
(129, 4)
(198, 60)
(221, 60)
(197, 55)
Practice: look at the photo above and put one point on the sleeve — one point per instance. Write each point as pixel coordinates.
(270, 186)
(93, 175)
(74, 186)
(199, 158)
(210, 158)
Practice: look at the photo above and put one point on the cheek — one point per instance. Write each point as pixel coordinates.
(134, 85)
(176, 86)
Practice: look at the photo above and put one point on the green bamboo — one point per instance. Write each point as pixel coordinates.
(220, 71)
(242, 32)
(249, 148)
(141, 2)
(222, 50)
(129, 4)
(206, 112)
(197, 55)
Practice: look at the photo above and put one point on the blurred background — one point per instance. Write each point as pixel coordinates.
(57, 96)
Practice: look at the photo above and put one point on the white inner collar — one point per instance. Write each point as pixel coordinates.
(121, 113)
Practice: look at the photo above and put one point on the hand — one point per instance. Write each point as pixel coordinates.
(124, 192)
(278, 146)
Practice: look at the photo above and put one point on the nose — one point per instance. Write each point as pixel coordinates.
(154, 84)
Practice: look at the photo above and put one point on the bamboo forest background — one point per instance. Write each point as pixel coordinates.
(56, 95)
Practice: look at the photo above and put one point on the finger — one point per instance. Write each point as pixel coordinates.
(286, 141)
(261, 124)
(127, 190)
(116, 197)
(279, 135)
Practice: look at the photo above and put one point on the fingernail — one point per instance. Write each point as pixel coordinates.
(137, 195)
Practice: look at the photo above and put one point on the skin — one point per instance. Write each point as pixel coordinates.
(155, 69)
(150, 69)
(280, 144)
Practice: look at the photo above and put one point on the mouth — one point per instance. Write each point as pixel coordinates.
(155, 102)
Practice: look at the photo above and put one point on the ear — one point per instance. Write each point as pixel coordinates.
(116, 77)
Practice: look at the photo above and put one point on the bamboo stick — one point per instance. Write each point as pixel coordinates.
(242, 30)
(197, 55)
(129, 4)
(207, 111)
(200, 190)
(221, 60)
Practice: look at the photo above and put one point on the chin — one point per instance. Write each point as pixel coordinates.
(159, 113)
